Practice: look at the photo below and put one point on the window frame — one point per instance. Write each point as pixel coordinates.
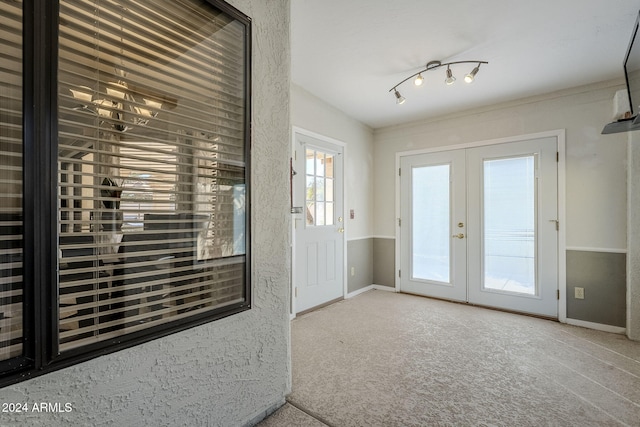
(40, 238)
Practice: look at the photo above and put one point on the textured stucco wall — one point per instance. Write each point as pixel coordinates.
(228, 372)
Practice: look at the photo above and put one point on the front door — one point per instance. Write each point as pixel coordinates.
(479, 225)
(319, 223)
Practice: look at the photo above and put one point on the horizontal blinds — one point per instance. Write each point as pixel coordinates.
(11, 336)
(151, 165)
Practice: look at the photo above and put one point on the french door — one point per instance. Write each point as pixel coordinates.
(479, 225)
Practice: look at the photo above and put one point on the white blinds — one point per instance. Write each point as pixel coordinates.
(151, 165)
(10, 179)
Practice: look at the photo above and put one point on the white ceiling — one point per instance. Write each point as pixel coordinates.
(351, 52)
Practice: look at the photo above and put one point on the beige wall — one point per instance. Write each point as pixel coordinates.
(312, 114)
(596, 185)
(595, 164)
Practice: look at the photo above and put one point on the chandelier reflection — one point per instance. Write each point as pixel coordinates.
(119, 105)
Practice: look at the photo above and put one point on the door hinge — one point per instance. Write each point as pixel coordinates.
(557, 156)
(399, 172)
(399, 222)
(295, 155)
(399, 273)
(558, 294)
(295, 291)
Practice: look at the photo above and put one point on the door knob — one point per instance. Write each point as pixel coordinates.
(340, 230)
(458, 236)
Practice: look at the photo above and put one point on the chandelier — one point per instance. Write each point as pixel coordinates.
(432, 65)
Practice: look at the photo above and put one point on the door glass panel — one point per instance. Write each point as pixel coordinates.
(509, 225)
(431, 233)
(320, 188)
(320, 164)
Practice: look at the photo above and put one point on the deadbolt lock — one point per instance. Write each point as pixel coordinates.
(460, 224)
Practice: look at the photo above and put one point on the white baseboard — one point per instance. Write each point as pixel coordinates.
(370, 288)
(597, 326)
(384, 288)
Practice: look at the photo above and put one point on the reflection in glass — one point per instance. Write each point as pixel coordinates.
(11, 206)
(509, 225)
(431, 235)
(320, 164)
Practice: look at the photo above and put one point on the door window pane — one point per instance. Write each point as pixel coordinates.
(509, 225)
(320, 188)
(431, 233)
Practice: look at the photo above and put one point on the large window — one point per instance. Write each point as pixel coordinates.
(11, 290)
(149, 147)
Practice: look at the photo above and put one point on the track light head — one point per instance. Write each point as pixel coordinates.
(450, 79)
(419, 80)
(469, 78)
(399, 98)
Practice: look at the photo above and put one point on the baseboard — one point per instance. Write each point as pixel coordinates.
(264, 413)
(370, 288)
(597, 326)
(384, 288)
(359, 291)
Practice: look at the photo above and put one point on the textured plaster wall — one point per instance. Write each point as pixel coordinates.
(225, 373)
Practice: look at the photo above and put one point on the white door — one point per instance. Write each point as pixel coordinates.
(507, 228)
(319, 227)
(433, 204)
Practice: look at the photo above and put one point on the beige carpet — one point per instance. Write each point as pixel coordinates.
(386, 359)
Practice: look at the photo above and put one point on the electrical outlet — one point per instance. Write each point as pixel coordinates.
(579, 293)
(353, 271)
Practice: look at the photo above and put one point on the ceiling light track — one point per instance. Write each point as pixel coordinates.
(432, 65)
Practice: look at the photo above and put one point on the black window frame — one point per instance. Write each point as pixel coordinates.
(40, 236)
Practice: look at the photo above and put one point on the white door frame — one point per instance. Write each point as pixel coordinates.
(301, 131)
(559, 134)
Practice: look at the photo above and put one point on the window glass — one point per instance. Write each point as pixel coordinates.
(152, 166)
(11, 289)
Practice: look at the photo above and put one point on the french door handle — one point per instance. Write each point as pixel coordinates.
(459, 236)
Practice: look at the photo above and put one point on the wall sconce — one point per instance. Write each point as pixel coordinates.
(432, 65)
(119, 107)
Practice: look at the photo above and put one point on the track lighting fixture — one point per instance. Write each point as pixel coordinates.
(432, 65)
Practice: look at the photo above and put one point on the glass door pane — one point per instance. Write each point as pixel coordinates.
(320, 188)
(509, 244)
(431, 233)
